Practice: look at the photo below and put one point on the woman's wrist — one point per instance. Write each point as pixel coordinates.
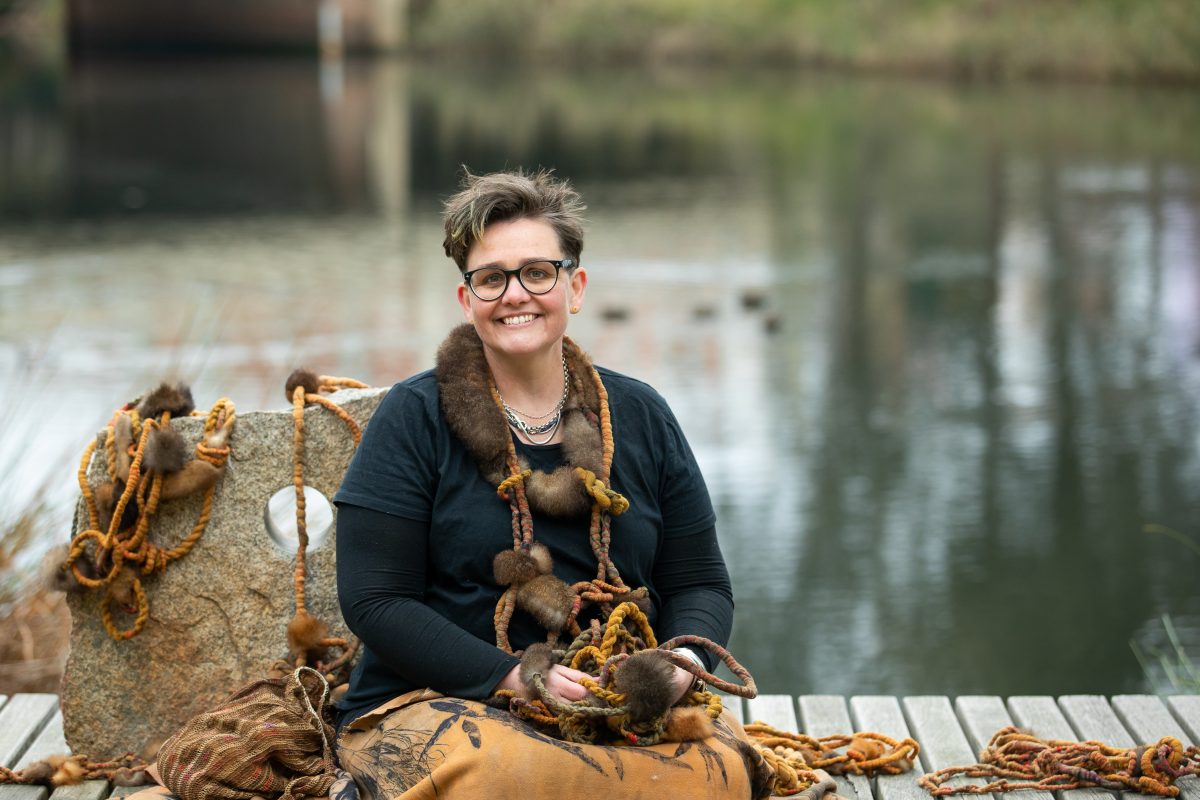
(697, 684)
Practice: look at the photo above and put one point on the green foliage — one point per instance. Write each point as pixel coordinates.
(1111, 39)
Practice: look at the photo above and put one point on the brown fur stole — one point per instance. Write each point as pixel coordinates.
(472, 414)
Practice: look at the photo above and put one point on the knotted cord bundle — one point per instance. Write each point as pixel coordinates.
(119, 556)
(128, 770)
(1016, 760)
(796, 758)
(306, 634)
(608, 712)
(607, 588)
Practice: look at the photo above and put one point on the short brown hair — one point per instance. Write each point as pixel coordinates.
(504, 196)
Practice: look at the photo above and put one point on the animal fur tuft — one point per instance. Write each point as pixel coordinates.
(302, 377)
(467, 404)
(536, 660)
(54, 771)
(122, 587)
(57, 579)
(559, 493)
(122, 434)
(645, 680)
(124, 776)
(513, 567)
(197, 476)
(166, 451)
(177, 399)
(107, 495)
(548, 599)
(541, 558)
(40, 771)
(688, 724)
(304, 634)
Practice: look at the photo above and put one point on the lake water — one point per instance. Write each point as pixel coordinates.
(937, 347)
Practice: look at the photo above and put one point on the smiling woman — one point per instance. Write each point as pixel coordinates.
(519, 495)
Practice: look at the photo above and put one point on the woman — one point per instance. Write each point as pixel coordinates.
(513, 404)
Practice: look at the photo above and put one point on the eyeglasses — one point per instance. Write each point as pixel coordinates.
(537, 277)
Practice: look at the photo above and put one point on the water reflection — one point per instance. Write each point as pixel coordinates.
(933, 444)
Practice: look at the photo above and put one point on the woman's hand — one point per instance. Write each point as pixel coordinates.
(562, 682)
(682, 681)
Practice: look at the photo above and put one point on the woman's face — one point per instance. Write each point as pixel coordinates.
(519, 323)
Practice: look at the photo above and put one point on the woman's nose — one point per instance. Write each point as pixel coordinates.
(515, 292)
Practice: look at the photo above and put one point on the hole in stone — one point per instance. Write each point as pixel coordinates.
(281, 518)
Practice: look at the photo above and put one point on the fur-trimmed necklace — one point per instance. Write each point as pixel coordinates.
(475, 413)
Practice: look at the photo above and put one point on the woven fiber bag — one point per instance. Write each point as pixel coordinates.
(268, 740)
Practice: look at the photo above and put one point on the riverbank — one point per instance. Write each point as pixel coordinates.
(1105, 40)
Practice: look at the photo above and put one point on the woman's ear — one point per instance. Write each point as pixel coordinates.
(464, 300)
(579, 280)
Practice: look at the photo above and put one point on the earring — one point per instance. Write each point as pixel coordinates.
(574, 309)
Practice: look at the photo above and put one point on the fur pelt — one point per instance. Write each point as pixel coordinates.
(471, 413)
(165, 451)
(121, 589)
(177, 399)
(122, 433)
(57, 770)
(536, 660)
(57, 579)
(687, 724)
(304, 634)
(541, 594)
(548, 599)
(107, 496)
(514, 567)
(302, 377)
(645, 680)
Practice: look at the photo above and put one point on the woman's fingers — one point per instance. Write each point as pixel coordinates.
(562, 684)
(682, 680)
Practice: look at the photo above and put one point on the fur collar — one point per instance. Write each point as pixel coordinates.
(462, 376)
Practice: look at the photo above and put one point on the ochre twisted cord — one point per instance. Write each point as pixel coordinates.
(1015, 760)
(116, 548)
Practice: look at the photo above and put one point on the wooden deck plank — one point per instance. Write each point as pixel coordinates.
(777, 710)
(121, 791)
(9, 791)
(935, 726)
(981, 717)
(50, 742)
(88, 790)
(882, 714)
(1186, 708)
(1042, 717)
(1148, 719)
(826, 715)
(25, 743)
(1092, 718)
(21, 720)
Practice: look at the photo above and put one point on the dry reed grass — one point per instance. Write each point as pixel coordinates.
(35, 625)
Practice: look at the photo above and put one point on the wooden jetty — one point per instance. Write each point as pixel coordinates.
(951, 732)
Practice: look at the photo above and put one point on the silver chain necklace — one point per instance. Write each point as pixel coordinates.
(549, 426)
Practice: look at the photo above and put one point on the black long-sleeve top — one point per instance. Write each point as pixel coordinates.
(418, 528)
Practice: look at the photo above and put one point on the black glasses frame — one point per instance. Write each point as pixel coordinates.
(559, 265)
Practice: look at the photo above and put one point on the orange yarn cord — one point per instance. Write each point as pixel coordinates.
(1014, 760)
(300, 398)
(116, 547)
